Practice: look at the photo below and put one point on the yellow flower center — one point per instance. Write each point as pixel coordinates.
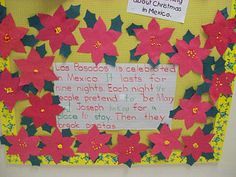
(129, 150)
(9, 90)
(96, 146)
(153, 41)
(218, 83)
(58, 30)
(36, 70)
(219, 37)
(22, 144)
(59, 146)
(195, 145)
(191, 53)
(195, 110)
(166, 142)
(97, 44)
(7, 37)
(42, 110)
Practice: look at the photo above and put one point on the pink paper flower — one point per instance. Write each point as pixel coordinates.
(193, 111)
(57, 146)
(10, 92)
(189, 56)
(93, 143)
(57, 29)
(153, 41)
(197, 144)
(99, 41)
(42, 110)
(23, 145)
(221, 84)
(10, 37)
(35, 70)
(220, 33)
(129, 148)
(165, 141)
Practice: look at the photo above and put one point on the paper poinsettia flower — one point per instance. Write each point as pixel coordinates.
(153, 41)
(23, 145)
(93, 143)
(220, 33)
(57, 146)
(99, 41)
(166, 141)
(189, 56)
(129, 148)
(10, 91)
(197, 144)
(35, 70)
(57, 29)
(10, 37)
(192, 111)
(42, 110)
(221, 84)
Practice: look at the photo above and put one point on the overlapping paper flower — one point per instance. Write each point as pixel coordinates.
(35, 70)
(57, 146)
(42, 110)
(221, 84)
(23, 145)
(153, 41)
(10, 37)
(129, 148)
(93, 143)
(99, 41)
(189, 56)
(197, 144)
(192, 111)
(220, 33)
(10, 91)
(166, 141)
(57, 29)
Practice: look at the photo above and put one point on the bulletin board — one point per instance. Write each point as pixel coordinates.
(187, 63)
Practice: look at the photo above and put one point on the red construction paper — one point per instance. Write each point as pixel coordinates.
(99, 41)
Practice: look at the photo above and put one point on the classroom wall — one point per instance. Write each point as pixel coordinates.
(225, 168)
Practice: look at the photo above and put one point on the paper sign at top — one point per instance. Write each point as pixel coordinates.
(174, 10)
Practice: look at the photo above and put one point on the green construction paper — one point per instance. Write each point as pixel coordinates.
(153, 65)
(130, 29)
(47, 128)
(41, 145)
(220, 66)
(48, 86)
(26, 121)
(208, 156)
(225, 13)
(66, 133)
(35, 161)
(116, 24)
(173, 112)
(73, 11)
(56, 99)
(208, 128)
(77, 143)
(231, 46)
(109, 142)
(30, 88)
(14, 75)
(160, 156)
(190, 160)
(132, 57)
(189, 93)
(142, 154)
(29, 40)
(207, 69)
(41, 50)
(188, 36)
(4, 141)
(203, 88)
(129, 163)
(34, 21)
(172, 53)
(110, 60)
(212, 112)
(31, 130)
(160, 126)
(2, 13)
(90, 19)
(128, 133)
(65, 158)
(65, 50)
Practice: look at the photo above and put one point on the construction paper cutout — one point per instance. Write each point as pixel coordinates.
(10, 91)
(220, 33)
(189, 56)
(49, 86)
(65, 50)
(29, 40)
(203, 88)
(99, 41)
(31, 130)
(10, 37)
(165, 141)
(41, 50)
(66, 133)
(129, 148)
(57, 146)
(90, 19)
(219, 66)
(36, 69)
(35, 161)
(188, 36)
(134, 57)
(73, 11)
(207, 67)
(93, 143)
(34, 21)
(47, 128)
(153, 41)
(193, 110)
(224, 12)
(23, 145)
(30, 88)
(26, 121)
(110, 60)
(42, 110)
(197, 144)
(57, 29)
(189, 93)
(116, 24)
(3, 11)
(208, 128)
(221, 84)
(130, 29)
